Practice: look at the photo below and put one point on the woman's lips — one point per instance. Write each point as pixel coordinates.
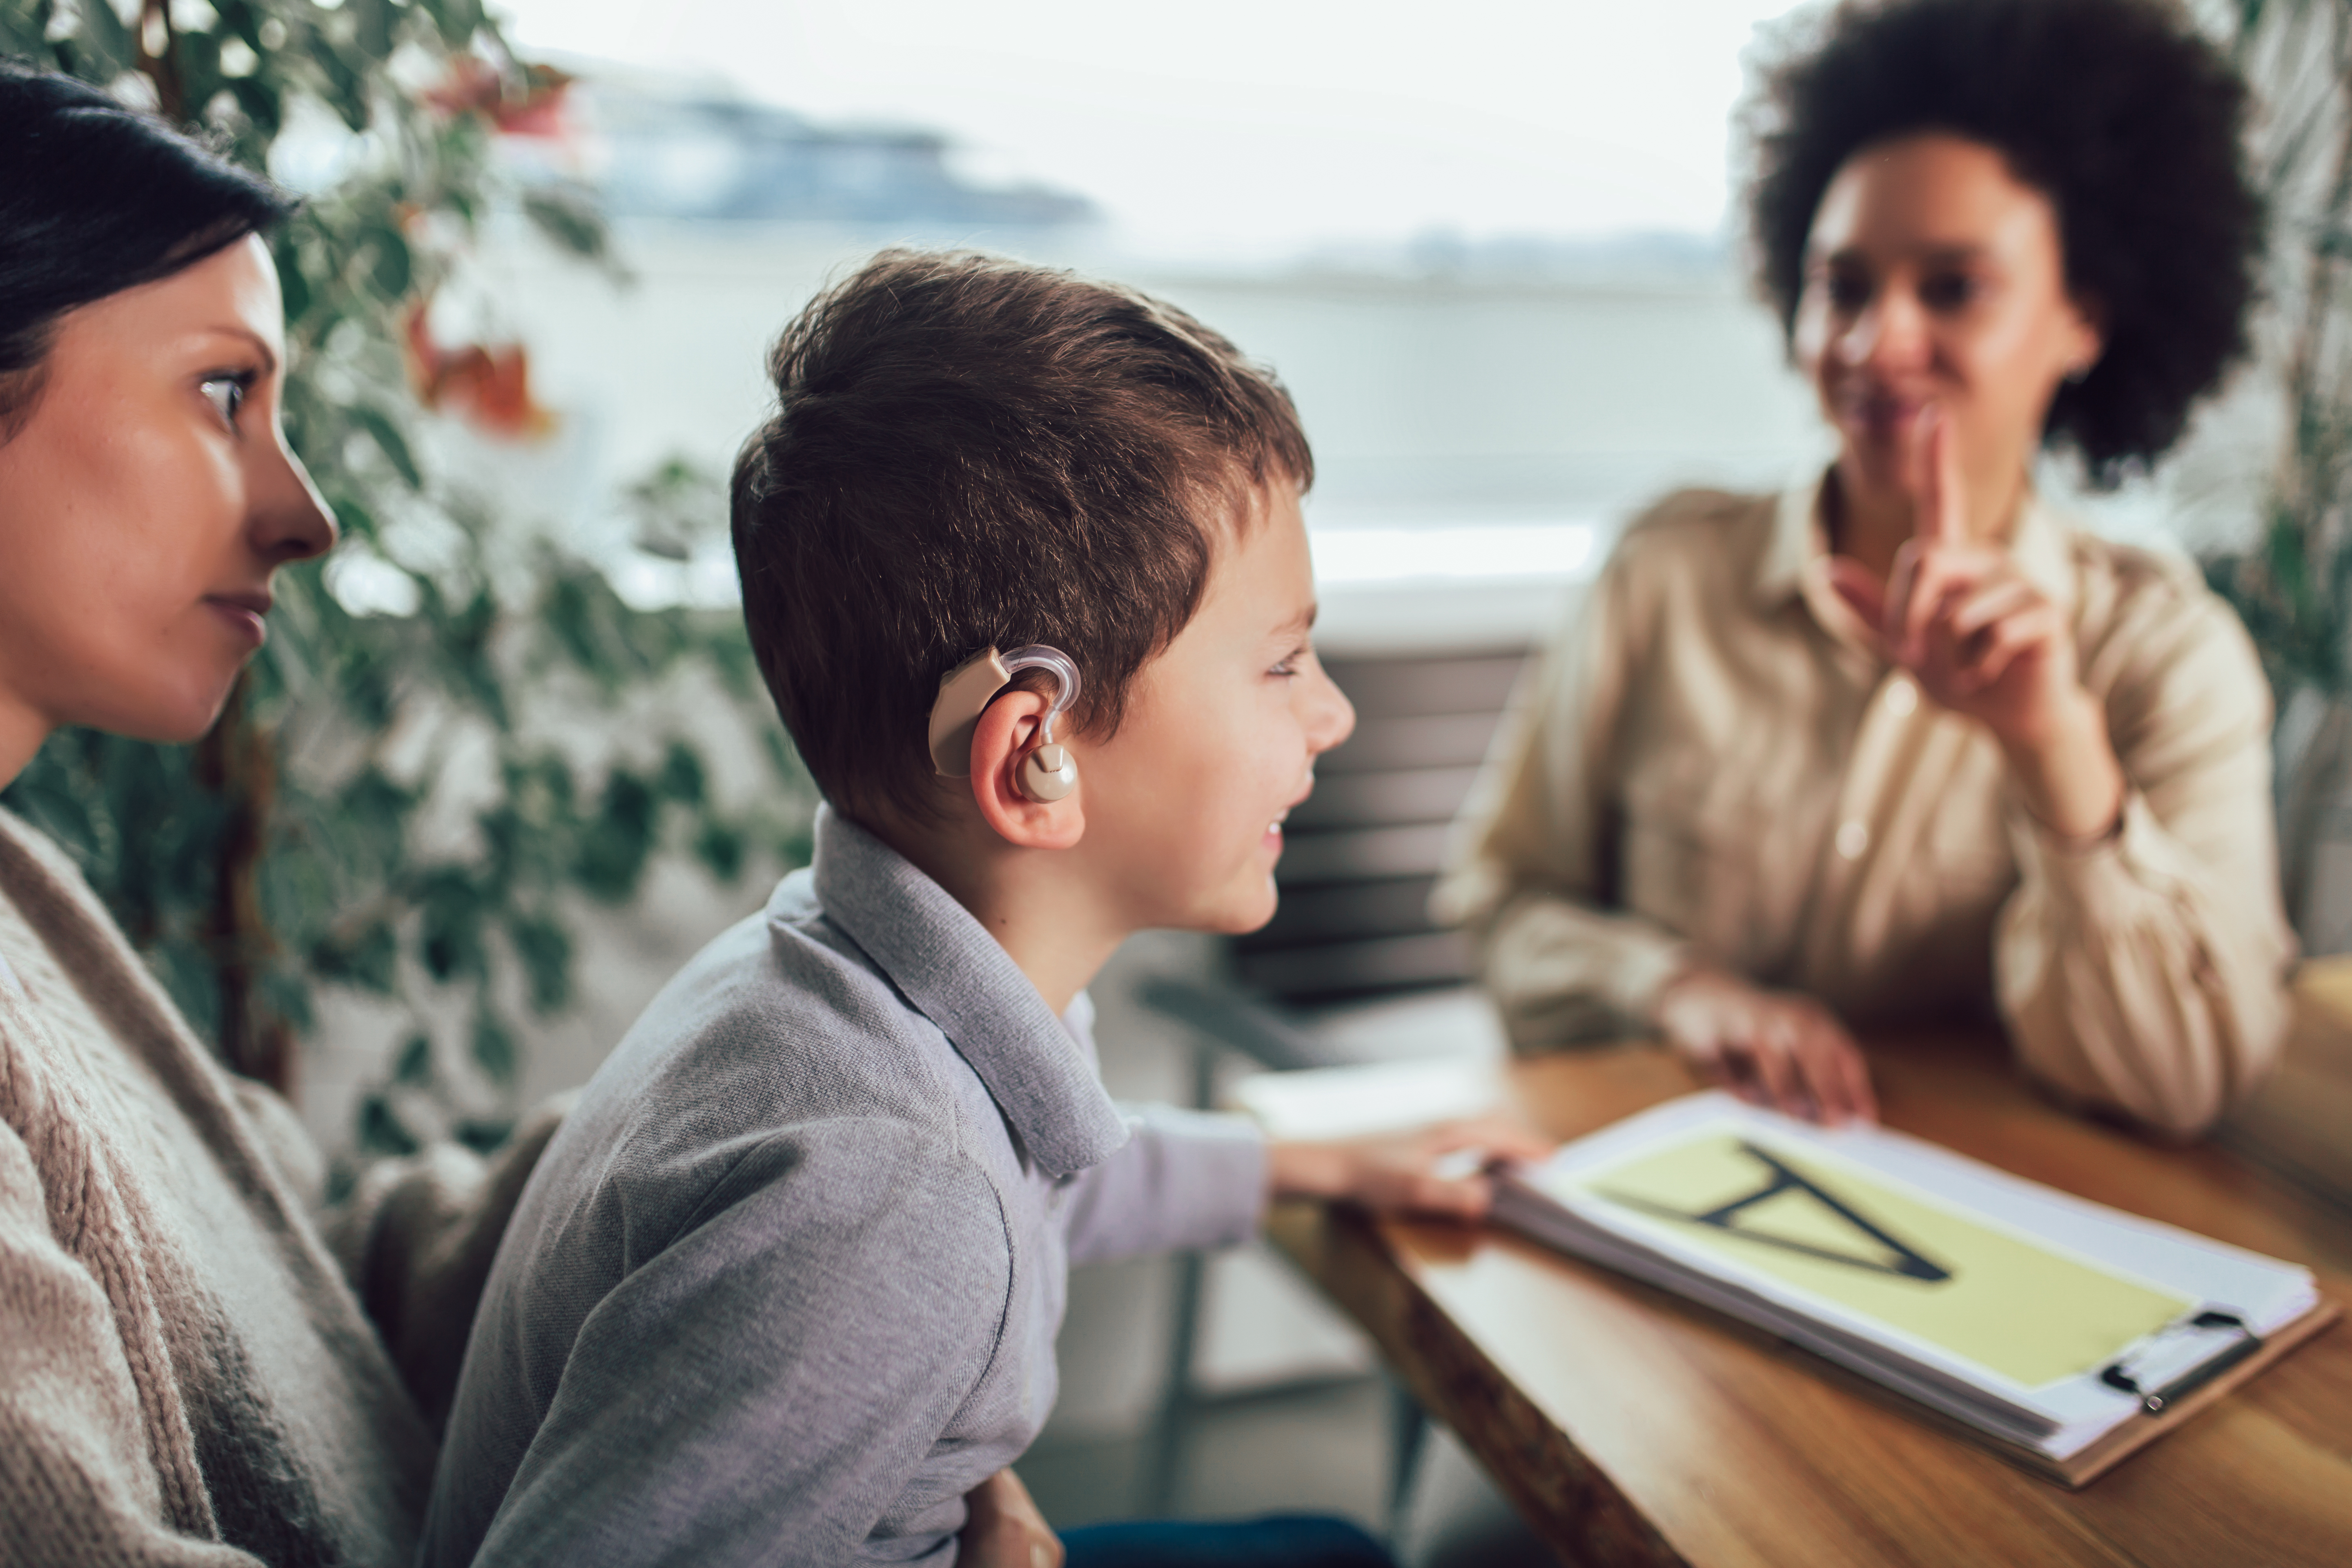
(243, 614)
(1880, 417)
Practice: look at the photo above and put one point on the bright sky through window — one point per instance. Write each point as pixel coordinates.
(1254, 126)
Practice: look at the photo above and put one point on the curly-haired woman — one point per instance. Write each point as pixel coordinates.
(1903, 742)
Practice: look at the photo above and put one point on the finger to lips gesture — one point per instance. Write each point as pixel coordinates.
(1979, 637)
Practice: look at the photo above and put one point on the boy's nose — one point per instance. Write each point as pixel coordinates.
(1332, 718)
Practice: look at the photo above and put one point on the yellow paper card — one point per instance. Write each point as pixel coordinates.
(2029, 1311)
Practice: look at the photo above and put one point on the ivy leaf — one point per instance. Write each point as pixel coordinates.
(681, 774)
(483, 1134)
(614, 851)
(457, 19)
(494, 1049)
(111, 50)
(569, 217)
(381, 1130)
(414, 1065)
(368, 961)
(371, 22)
(718, 845)
(544, 948)
(262, 106)
(346, 87)
(389, 441)
(450, 935)
(393, 267)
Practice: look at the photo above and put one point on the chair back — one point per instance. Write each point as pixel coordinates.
(1364, 851)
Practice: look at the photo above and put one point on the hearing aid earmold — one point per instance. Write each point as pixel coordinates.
(1046, 774)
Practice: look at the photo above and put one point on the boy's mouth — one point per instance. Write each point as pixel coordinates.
(1274, 828)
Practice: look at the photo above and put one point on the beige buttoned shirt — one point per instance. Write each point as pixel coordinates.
(1715, 766)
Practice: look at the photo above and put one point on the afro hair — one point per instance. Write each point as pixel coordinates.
(2117, 110)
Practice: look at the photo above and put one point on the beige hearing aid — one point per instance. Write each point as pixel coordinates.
(1047, 773)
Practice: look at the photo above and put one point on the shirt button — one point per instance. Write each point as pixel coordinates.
(1853, 838)
(1901, 696)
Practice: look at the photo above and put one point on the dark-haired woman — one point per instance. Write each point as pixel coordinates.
(1903, 742)
(184, 1375)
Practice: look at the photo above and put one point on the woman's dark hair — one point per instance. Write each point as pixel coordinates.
(2117, 110)
(97, 197)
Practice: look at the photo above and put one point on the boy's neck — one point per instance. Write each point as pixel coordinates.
(1052, 924)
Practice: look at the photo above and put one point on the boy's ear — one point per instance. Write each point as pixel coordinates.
(1002, 740)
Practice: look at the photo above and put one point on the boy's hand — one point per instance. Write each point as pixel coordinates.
(1005, 1529)
(1407, 1172)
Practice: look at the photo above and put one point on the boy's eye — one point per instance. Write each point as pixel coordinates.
(228, 393)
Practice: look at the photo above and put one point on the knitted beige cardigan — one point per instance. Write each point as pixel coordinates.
(185, 1375)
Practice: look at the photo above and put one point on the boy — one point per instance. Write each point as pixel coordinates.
(784, 1288)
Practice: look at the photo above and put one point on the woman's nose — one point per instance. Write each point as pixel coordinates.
(1888, 333)
(289, 520)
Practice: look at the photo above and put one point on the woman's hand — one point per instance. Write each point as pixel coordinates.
(1982, 640)
(1005, 1529)
(1437, 1170)
(1770, 1048)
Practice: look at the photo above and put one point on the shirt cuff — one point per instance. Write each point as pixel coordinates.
(1218, 1162)
(2136, 856)
(1643, 976)
(1564, 976)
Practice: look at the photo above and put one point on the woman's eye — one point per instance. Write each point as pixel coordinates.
(1947, 291)
(227, 392)
(1847, 292)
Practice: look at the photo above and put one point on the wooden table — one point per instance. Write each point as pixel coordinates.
(1631, 1427)
(2298, 1125)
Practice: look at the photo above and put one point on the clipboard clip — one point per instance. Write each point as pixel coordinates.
(2124, 1373)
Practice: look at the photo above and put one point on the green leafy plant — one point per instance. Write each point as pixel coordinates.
(2294, 587)
(394, 802)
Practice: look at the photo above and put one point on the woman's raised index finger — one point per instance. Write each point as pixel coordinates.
(1940, 517)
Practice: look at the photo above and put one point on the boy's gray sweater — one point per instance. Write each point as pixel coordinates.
(785, 1286)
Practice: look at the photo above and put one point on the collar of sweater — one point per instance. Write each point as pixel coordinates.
(945, 964)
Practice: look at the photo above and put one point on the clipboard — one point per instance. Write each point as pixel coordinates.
(1919, 1309)
(2088, 1465)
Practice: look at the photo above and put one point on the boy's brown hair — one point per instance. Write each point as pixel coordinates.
(972, 452)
